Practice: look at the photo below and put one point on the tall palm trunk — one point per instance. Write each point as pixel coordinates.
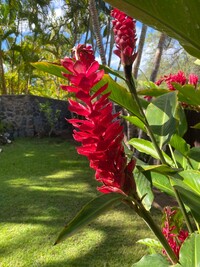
(97, 30)
(139, 51)
(158, 57)
(2, 76)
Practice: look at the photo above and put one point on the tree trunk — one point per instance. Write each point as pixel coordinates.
(2, 76)
(158, 57)
(97, 30)
(139, 51)
(112, 41)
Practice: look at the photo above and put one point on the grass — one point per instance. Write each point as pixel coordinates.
(43, 183)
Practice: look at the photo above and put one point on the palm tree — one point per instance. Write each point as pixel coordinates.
(7, 28)
(97, 30)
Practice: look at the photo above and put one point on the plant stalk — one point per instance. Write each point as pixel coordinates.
(131, 84)
(179, 200)
(183, 210)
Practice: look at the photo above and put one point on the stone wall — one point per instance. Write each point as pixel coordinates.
(23, 117)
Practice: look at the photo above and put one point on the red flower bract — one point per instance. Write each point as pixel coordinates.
(99, 131)
(125, 36)
(174, 236)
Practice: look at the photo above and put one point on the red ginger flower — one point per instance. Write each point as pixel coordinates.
(178, 78)
(125, 36)
(193, 79)
(174, 236)
(99, 132)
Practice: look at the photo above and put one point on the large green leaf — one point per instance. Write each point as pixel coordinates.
(194, 153)
(163, 169)
(51, 68)
(144, 189)
(119, 95)
(147, 147)
(135, 121)
(179, 144)
(153, 91)
(89, 212)
(188, 94)
(160, 114)
(177, 18)
(191, 178)
(152, 260)
(108, 70)
(182, 126)
(189, 255)
(181, 160)
(191, 199)
(162, 183)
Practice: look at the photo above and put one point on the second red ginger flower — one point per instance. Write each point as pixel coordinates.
(125, 36)
(99, 132)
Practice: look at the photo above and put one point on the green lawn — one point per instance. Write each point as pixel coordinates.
(43, 183)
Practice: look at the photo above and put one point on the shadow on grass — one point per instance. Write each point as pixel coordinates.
(45, 184)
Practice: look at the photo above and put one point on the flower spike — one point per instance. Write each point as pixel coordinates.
(99, 131)
(125, 36)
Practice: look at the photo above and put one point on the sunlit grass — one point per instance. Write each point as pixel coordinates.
(43, 183)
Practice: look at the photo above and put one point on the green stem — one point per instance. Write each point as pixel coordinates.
(179, 200)
(131, 84)
(142, 212)
(183, 210)
(145, 215)
(172, 154)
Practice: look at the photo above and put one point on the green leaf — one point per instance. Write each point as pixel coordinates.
(51, 68)
(144, 189)
(162, 183)
(163, 169)
(89, 212)
(148, 85)
(160, 114)
(191, 178)
(191, 199)
(181, 160)
(135, 121)
(194, 153)
(197, 62)
(188, 94)
(147, 147)
(112, 72)
(196, 126)
(179, 19)
(189, 255)
(150, 242)
(181, 127)
(153, 92)
(179, 144)
(153, 244)
(152, 260)
(119, 95)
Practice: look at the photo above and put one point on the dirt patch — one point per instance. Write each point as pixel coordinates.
(162, 200)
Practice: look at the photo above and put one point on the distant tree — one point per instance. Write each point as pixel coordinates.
(139, 51)
(158, 56)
